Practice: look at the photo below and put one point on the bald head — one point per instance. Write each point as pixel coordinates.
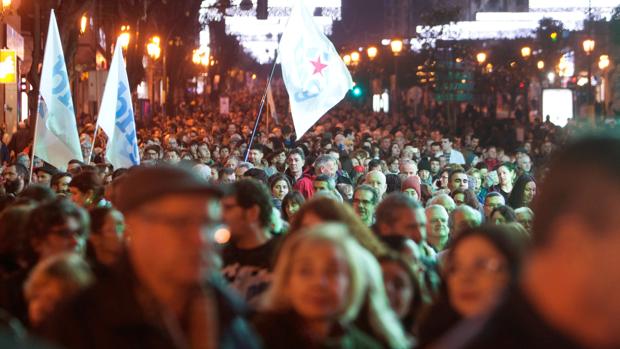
(464, 217)
(444, 200)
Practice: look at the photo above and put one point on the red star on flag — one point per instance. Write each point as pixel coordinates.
(318, 66)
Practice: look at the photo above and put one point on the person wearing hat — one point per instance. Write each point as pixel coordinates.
(411, 187)
(45, 174)
(164, 292)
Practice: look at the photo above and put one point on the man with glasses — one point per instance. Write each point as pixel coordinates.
(164, 292)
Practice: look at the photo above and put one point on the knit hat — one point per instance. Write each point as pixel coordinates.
(412, 182)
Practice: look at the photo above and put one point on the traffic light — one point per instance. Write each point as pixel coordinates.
(554, 36)
(357, 91)
(262, 9)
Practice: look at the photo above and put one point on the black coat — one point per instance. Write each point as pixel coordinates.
(108, 315)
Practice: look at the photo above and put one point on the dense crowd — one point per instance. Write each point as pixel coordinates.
(372, 231)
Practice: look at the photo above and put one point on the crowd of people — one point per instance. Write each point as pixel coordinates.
(371, 231)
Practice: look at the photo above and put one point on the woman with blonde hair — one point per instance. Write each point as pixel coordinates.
(321, 280)
(324, 209)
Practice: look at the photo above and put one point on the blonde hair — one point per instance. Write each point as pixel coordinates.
(68, 268)
(277, 297)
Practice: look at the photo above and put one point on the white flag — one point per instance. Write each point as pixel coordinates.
(315, 76)
(56, 136)
(116, 116)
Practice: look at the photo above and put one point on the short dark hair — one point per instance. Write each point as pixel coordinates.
(595, 157)
(372, 190)
(454, 172)
(507, 212)
(51, 214)
(21, 170)
(97, 218)
(388, 210)
(257, 174)
(250, 192)
(279, 177)
(57, 176)
(291, 197)
(38, 193)
(297, 151)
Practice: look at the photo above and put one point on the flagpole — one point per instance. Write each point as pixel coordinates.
(262, 105)
(92, 147)
(34, 142)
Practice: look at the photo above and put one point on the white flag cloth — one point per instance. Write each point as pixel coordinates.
(315, 76)
(56, 136)
(116, 116)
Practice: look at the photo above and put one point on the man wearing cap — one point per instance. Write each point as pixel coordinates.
(44, 174)
(164, 292)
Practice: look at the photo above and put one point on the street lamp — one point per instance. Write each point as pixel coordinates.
(124, 37)
(372, 52)
(83, 23)
(153, 48)
(603, 62)
(526, 52)
(588, 47)
(6, 4)
(347, 59)
(355, 57)
(481, 57)
(540, 65)
(397, 46)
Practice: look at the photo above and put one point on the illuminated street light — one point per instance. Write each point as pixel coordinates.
(153, 48)
(372, 52)
(540, 65)
(603, 62)
(481, 57)
(397, 46)
(124, 37)
(588, 46)
(83, 23)
(355, 57)
(526, 52)
(347, 59)
(6, 4)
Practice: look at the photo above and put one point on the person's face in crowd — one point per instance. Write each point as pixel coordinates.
(13, 183)
(171, 239)
(425, 175)
(498, 218)
(437, 227)
(525, 163)
(295, 163)
(395, 150)
(279, 189)
(477, 182)
(412, 193)
(292, 208)
(476, 276)
(224, 153)
(319, 282)
(463, 220)
(228, 178)
(232, 129)
(320, 185)
(203, 152)
(151, 154)
(109, 242)
(398, 287)
(378, 182)
(44, 300)
(492, 153)
(62, 186)
(436, 150)
(546, 148)
(491, 203)
(240, 171)
(528, 193)
(506, 176)
(44, 178)
(410, 224)
(364, 206)
(443, 180)
(408, 169)
(172, 157)
(255, 157)
(330, 168)
(172, 142)
(232, 163)
(446, 145)
(459, 181)
(346, 190)
(394, 166)
(442, 161)
(459, 199)
(525, 219)
(60, 238)
(475, 142)
(237, 152)
(435, 167)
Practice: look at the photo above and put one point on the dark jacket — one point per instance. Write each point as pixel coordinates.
(285, 331)
(109, 315)
(514, 324)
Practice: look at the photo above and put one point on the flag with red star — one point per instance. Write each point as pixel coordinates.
(315, 76)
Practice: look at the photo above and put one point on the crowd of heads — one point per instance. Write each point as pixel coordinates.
(386, 228)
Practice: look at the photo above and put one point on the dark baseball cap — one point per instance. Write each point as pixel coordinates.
(144, 184)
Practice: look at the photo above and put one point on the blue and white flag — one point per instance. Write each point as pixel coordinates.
(315, 76)
(56, 136)
(116, 116)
